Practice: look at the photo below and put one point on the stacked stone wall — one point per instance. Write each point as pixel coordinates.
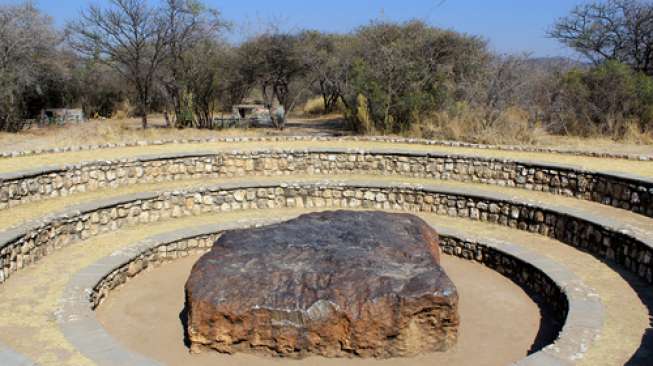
(27, 244)
(629, 193)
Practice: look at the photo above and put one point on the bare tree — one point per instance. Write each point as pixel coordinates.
(190, 24)
(28, 42)
(507, 83)
(274, 62)
(127, 35)
(620, 30)
(325, 56)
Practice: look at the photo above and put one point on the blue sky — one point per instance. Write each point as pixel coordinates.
(510, 25)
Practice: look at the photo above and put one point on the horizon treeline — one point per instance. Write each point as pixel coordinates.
(128, 56)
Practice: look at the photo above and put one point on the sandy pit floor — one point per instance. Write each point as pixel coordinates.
(500, 323)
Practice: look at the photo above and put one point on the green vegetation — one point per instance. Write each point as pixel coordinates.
(384, 78)
(406, 71)
(609, 99)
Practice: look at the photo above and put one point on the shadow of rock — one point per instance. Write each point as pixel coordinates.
(183, 317)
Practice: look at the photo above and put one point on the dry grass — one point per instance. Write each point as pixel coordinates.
(314, 107)
(122, 130)
(466, 124)
(510, 129)
(106, 131)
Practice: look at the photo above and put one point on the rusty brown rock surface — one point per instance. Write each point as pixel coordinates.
(335, 284)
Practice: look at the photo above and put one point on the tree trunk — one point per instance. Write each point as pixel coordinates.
(167, 119)
(330, 102)
(325, 95)
(143, 103)
(144, 111)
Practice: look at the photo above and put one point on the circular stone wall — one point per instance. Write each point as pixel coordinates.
(608, 237)
(499, 321)
(538, 274)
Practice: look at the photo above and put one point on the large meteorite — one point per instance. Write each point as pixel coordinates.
(334, 284)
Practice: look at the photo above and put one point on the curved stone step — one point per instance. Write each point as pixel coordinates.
(9, 357)
(630, 246)
(317, 193)
(104, 245)
(384, 139)
(589, 163)
(617, 219)
(607, 232)
(617, 189)
(580, 304)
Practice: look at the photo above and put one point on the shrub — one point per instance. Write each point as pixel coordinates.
(610, 99)
(464, 123)
(407, 71)
(314, 106)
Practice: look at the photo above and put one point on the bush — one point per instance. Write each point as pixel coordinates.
(362, 117)
(407, 71)
(610, 99)
(464, 123)
(314, 106)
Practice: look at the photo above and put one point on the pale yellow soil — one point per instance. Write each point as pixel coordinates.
(29, 300)
(498, 321)
(129, 130)
(641, 168)
(97, 132)
(594, 144)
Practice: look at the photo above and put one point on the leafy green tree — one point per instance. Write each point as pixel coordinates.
(274, 62)
(406, 71)
(604, 100)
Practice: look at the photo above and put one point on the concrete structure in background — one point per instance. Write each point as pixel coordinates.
(61, 116)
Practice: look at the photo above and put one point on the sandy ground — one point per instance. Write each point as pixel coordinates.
(129, 129)
(27, 321)
(628, 302)
(31, 298)
(499, 322)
